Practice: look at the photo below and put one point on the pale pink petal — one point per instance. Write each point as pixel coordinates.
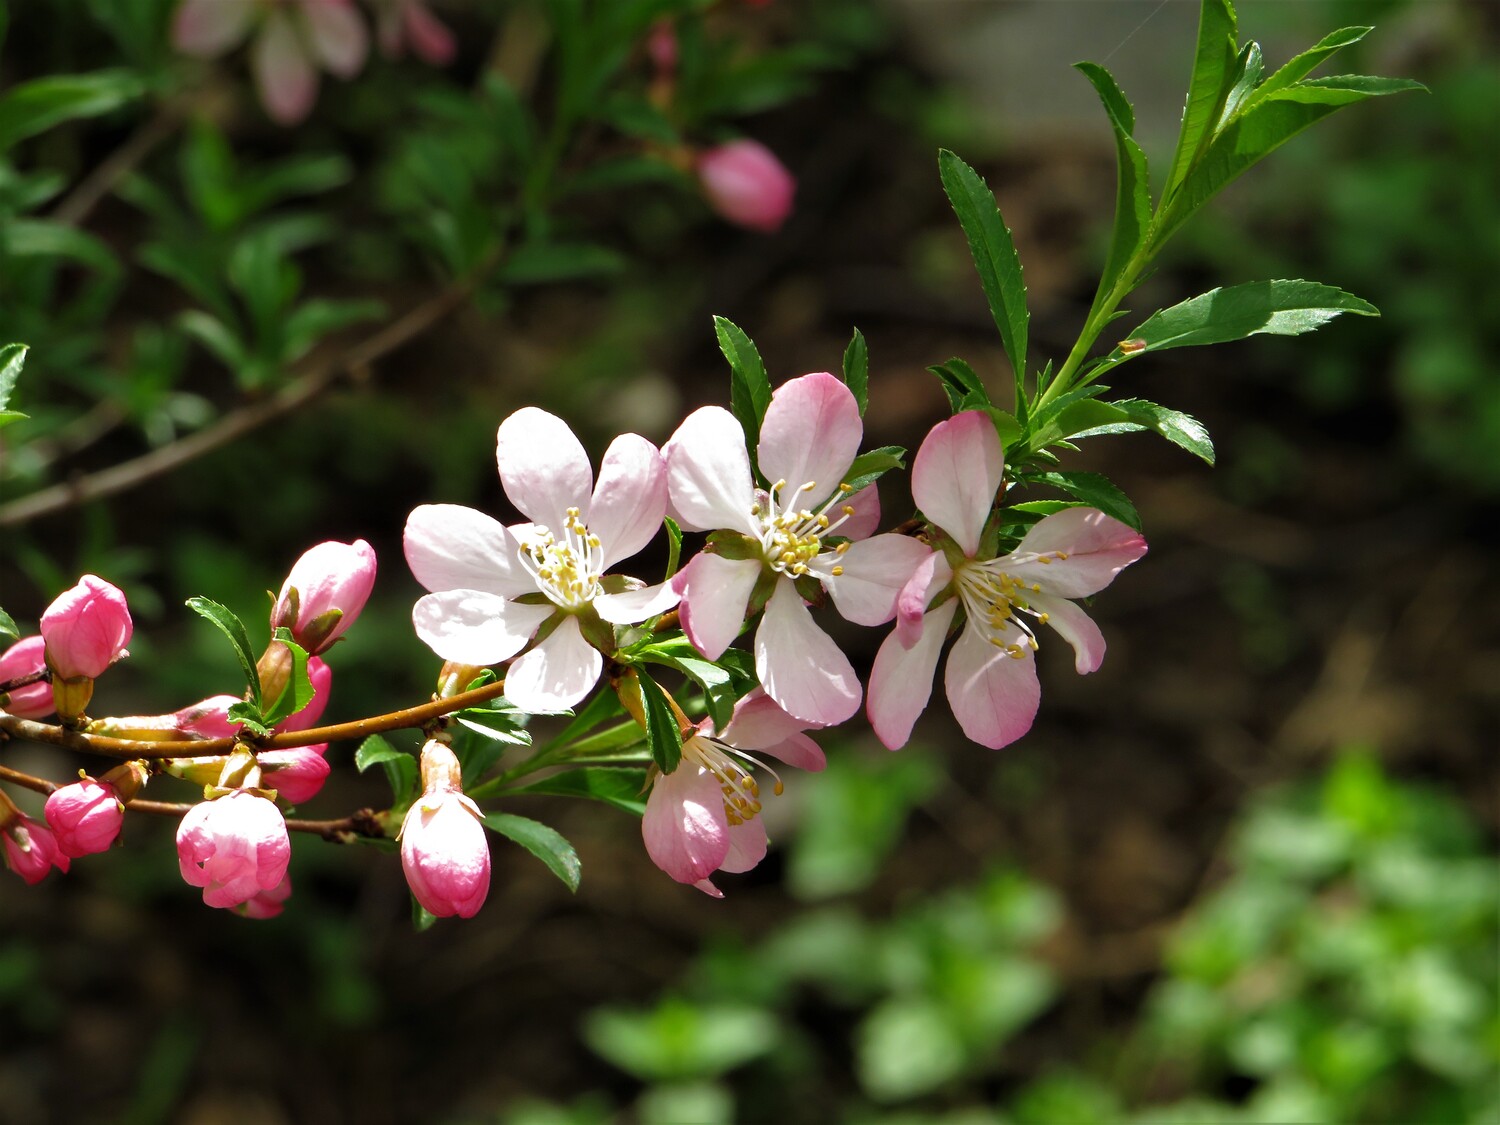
(762, 727)
(338, 35)
(636, 605)
(956, 474)
(901, 680)
(543, 467)
(1076, 627)
(284, 74)
(715, 592)
(450, 547)
(557, 673)
(993, 695)
(708, 473)
(1096, 548)
(810, 435)
(875, 570)
(747, 846)
(866, 517)
(210, 27)
(708, 888)
(630, 498)
(684, 827)
(931, 575)
(475, 627)
(430, 39)
(799, 665)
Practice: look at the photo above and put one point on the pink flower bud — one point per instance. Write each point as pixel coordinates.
(85, 816)
(322, 681)
(25, 657)
(661, 45)
(267, 904)
(30, 849)
(86, 629)
(234, 848)
(208, 718)
(297, 774)
(747, 185)
(444, 851)
(324, 593)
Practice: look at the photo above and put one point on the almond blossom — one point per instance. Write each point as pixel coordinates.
(494, 588)
(444, 851)
(324, 593)
(234, 847)
(27, 847)
(808, 441)
(704, 815)
(991, 676)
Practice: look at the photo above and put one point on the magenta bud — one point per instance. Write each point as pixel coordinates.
(25, 658)
(208, 718)
(86, 629)
(745, 183)
(30, 849)
(325, 592)
(85, 817)
(297, 774)
(444, 851)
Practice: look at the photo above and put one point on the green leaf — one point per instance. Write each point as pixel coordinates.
(873, 464)
(1248, 70)
(1136, 414)
(1277, 308)
(496, 726)
(12, 361)
(994, 255)
(546, 844)
(538, 263)
(964, 388)
(618, 787)
(400, 767)
(8, 625)
(749, 387)
(231, 626)
(1308, 61)
(857, 369)
(1213, 73)
(421, 918)
(662, 731)
(249, 716)
(40, 238)
(716, 682)
(36, 106)
(1265, 126)
(674, 546)
(9, 416)
(218, 338)
(1133, 187)
(1095, 490)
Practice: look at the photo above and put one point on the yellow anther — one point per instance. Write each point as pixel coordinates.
(1062, 556)
(837, 572)
(841, 548)
(1044, 617)
(845, 487)
(779, 788)
(848, 509)
(1044, 559)
(809, 486)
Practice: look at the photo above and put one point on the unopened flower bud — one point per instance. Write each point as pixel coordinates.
(234, 847)
(29, 848)
(745, 183)
(26, 658)
(455, 678)
(86, 629)
(325, 592)
(267, 904)
(297, 775)
(86, 816)
(444, 851)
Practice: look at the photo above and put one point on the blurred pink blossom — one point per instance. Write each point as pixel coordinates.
(402, 22)
(745, 183)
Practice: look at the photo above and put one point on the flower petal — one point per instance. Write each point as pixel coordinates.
(874, 572)
(760, 726)
(708, 473)
(338, 35)
(994, 696)
(557, 673)
(901, 680)
(931, 575)
(630, 499)
(1076, 627)
(799, 665)
(747, 846)
(284, 75)
(684, 828)
(450, 547)
(543, 467)
(810, 435)
(210, 27)
(956, 474)
(715, 592)
(636, 605)
(474, 626)
(866, 518)
(1084, 550)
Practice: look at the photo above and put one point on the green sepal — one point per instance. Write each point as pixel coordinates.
(548, 845)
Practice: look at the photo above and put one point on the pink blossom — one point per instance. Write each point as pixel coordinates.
(233, 847)
(297, 774)
(294, 39)
(477, 569)
(86, 629)
(808, 441)
(661, 46)
(24, 658)
(991, 677)
(444, 851)
(399, 22)
(30, 849)
(267, 904)
(209, 718)
(324, 593)
(745, 183)
(704, 815)
(85, 816)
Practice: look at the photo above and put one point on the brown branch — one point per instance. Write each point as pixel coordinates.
(8, 686)
(364, 822)
(237, 423)
(26, 781)
(92, 189)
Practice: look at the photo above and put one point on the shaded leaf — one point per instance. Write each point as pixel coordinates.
(856, 369)
(545, 843)
(1213, 70)
(749, 386)
(1095, 490)
(12, 362)
(662, 732)
(621, 788)
(1133, 188)
(231, 626)
(36, 106)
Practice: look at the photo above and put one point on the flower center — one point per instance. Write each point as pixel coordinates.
(999, 604)
(566, 570)
(792, 537)
(729, 766)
